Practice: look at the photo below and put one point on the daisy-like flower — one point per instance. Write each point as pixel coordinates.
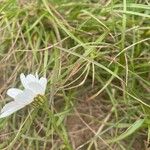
(34, 90)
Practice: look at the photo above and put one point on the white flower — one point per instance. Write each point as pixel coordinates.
(33, 86)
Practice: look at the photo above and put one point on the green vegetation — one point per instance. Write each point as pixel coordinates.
(96, 56)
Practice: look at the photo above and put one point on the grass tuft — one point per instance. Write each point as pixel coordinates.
(95, 55)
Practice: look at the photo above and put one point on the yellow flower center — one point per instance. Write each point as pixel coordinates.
(38, 100)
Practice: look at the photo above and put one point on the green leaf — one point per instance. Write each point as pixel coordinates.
(129, 131)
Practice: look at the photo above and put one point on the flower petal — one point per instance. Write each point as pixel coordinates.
(23, 80)
(43, 83)
(13, 92)
(36, 88)
(26, 80)
(36, 75)
(10, 108)
(26, 97)
(31, 78)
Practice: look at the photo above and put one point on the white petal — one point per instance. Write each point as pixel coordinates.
(36, 75)
(23, 80)
(31, 78)
(26, 97)
(43, 82)
(33, 83)
(10, 108)
(13, 92)
(26, 80)
(36, 88)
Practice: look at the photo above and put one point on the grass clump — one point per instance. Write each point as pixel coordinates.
(95, 55)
